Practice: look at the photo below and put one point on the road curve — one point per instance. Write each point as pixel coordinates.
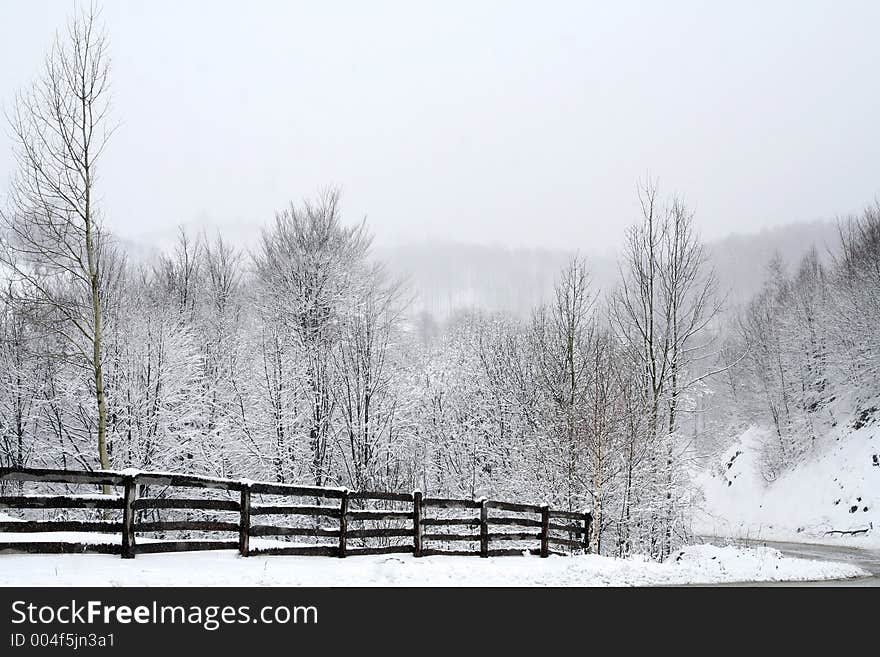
(868, 560)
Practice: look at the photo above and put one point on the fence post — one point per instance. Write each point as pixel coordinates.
(545, 531)
(244, 522)
(343, 522)
(484, 528)
(128, 516)
(417, 523)
(588, 522)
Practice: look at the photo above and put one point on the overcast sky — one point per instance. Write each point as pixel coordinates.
(492, 122)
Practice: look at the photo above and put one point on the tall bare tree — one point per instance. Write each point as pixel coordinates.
(53, 245)
(305, 265)
(637, 305)
(562, 334)
(365, 393)
(665, 303)
(689, 301)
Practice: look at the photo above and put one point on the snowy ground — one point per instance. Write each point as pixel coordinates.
(696, 564)
(836, 489)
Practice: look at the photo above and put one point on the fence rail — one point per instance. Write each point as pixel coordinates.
(146, 496)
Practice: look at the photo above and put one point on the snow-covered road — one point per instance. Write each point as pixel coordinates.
(695, 564)
(866, 559)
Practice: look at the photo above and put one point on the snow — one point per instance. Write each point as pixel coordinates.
(696, 564)
(100, 497)
(835, 488)
(94, 538)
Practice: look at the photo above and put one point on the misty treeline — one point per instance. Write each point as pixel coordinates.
(301, 360)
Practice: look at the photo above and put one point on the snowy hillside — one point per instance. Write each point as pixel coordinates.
(832, 493)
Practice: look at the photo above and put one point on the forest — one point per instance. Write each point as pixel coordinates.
(302, 360)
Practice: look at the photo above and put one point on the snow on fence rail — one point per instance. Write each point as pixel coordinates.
(424, 521)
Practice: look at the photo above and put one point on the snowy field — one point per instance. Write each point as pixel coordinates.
(696, 564)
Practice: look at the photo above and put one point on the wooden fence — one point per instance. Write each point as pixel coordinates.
(360, 522)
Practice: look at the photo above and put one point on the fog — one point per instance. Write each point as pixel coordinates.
(492, 123)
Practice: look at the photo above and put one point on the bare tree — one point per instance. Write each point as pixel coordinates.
(365, 392)
(689, 301)
(178, 274)
(606, 429)
(305, 265)
(637, 305)
(562, 334)
(53, 247)
(19, 405)
(663, 307)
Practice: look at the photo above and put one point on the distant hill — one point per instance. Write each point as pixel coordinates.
(450, 276)
(741, 260)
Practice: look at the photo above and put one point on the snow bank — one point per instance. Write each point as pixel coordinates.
(834, 491)
(696, 564)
